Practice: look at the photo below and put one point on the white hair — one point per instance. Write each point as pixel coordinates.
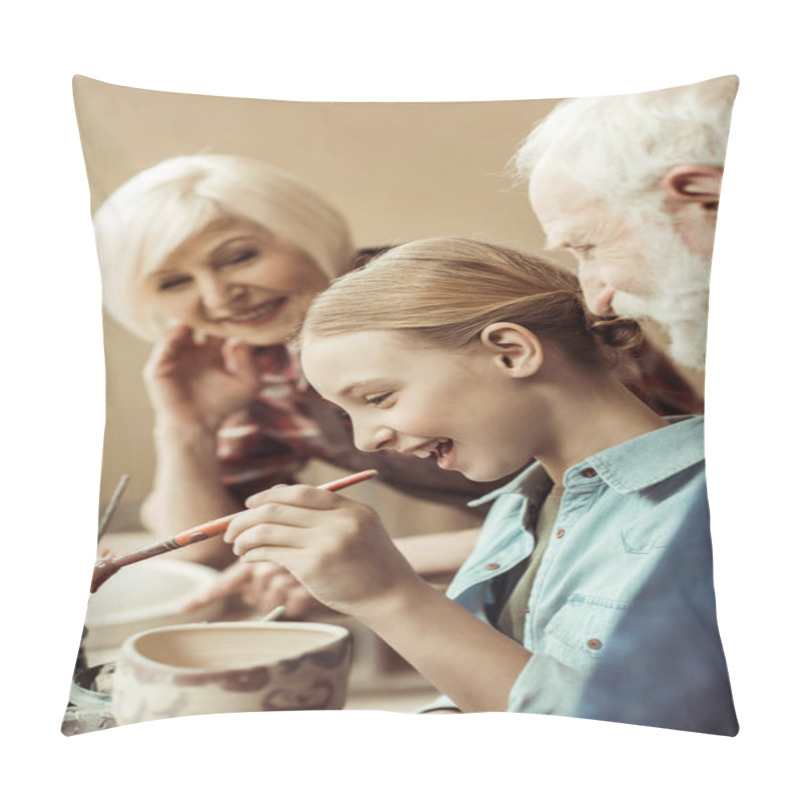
(618, 147)
(148, 217)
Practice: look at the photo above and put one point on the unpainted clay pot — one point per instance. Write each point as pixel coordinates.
(225, 667)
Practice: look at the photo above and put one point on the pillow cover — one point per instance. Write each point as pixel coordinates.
(217, 220)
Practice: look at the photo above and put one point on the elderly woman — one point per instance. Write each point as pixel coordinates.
(216, 259)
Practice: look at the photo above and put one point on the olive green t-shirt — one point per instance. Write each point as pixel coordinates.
(512, 617)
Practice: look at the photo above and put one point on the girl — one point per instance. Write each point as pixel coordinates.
(482, 360)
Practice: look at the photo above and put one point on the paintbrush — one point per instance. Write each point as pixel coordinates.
(104, 568)
(112, 506)
(80, 663)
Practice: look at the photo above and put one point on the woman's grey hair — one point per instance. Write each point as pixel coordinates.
(619, 146)
(148, 217)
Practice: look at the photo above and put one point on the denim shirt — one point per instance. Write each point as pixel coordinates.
(621, 508)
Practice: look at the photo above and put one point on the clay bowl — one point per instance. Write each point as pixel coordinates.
(225, 667)
(150, 594)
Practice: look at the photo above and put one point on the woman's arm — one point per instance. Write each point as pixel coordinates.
(188, 490)
(193, 387)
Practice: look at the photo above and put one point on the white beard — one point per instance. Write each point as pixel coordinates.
(679, 299)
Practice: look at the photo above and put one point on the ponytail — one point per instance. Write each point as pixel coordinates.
(446, 291)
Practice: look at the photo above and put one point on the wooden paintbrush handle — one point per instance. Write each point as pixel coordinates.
(216, 527)
(106, 567)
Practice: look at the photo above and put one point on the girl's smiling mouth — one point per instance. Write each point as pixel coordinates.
(442, 449)
(445, 453)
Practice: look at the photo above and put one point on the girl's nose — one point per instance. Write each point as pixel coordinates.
(371, 439)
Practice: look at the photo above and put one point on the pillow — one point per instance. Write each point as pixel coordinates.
(189, 190)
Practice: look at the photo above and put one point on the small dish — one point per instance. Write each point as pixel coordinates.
(150, 594)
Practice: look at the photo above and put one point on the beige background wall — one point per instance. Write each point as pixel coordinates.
(397, 171)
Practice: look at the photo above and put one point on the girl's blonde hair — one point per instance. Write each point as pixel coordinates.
(446, 291)
(148, 217)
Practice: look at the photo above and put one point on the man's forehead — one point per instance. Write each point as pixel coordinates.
(560, 203)
(567, 211)
(555, 189)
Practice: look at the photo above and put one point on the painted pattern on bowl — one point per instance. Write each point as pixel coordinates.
(303, 666)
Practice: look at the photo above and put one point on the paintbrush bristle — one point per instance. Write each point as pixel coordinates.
(104, 568)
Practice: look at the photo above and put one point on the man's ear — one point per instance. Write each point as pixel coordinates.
(515, 350)
(693, 183)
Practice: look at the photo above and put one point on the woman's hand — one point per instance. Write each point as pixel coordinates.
(199, 384)
(262, 585)
(337, 547)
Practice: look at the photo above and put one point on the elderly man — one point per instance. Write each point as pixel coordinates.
(630, 184)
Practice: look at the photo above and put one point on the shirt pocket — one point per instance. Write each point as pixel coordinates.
(657, 516)
(638, 539)
(579, 631)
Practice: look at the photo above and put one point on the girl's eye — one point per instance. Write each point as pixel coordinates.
(377, 399)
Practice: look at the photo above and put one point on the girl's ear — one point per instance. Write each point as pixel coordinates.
(515, 350)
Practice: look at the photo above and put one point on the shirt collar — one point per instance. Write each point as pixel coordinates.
(627, 467)
(530, 481)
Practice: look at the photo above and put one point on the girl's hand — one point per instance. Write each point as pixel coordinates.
(200, 384)
(336, 547)
(262, 585)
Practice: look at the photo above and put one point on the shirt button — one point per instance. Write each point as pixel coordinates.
(493, 565)
(588, 472)
(594, 644)
(560, 533)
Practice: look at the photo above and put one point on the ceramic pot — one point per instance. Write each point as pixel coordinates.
(226, 667)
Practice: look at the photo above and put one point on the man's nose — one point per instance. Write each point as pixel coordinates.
(597, 293)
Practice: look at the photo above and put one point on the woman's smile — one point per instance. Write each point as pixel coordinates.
(257, 315)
